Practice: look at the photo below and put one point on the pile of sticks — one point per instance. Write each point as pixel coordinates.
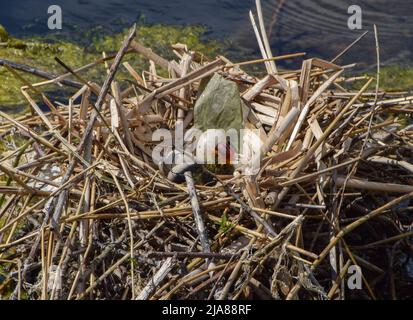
(85, 212)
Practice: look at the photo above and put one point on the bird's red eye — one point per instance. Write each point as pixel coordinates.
(225, 149)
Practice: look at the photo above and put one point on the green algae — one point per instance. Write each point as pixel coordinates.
(4, 35)
(39, 52)
(396, 78)
(393, 78)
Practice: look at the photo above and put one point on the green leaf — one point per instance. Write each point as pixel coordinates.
(219, 106)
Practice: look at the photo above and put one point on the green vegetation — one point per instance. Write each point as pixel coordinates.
(40, 52)
(4, 35)
(393, 78)
(396, 78)
(225, 224)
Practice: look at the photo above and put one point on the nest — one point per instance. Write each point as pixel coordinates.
(87, 213)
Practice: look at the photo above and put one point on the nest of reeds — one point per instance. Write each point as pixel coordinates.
(87, 213)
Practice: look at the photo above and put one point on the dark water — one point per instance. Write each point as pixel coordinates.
(318, 27)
